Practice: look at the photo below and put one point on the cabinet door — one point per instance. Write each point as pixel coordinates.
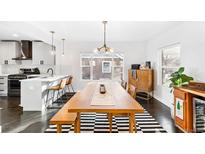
(3, 52)
(8, 51)
(180, 108)
(12, 52)
(41, 53)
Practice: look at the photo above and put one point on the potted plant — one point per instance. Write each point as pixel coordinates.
(178, 79)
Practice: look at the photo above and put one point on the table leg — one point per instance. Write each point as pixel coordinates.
(131, 122)
(110, 121)
(78, 123)
(134, 122)
(75, 126)
(59, 128)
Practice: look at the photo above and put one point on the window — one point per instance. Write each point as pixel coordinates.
(102, 66)
(170, 61)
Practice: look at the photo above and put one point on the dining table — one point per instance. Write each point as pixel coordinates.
(116, 100)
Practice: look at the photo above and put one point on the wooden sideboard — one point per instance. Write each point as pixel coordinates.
(183, 104)
(143, 81)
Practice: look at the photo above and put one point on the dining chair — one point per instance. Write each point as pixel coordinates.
(124, 84)
(132, 90)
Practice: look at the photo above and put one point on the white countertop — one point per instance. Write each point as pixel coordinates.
(45, 78)
(4, 74)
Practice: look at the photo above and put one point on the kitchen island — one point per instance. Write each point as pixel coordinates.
(34, 92)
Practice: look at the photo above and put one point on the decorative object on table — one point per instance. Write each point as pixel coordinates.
(142, 66)
(135, 66)
(148, 64)
(106, 66)
(104, 48)
(102, 89)
(179, 79)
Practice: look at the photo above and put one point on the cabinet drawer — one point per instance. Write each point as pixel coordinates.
(2, 88)
(3, 79)
(3, 84)
(3, 92)
(180, 94)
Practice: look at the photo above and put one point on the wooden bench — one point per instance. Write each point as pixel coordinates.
(63, 117)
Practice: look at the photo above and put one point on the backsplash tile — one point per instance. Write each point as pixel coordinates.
(13, 69)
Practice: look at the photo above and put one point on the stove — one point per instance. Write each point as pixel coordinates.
(14, 84)
(17, 76)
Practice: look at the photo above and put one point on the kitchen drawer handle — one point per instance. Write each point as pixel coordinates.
(1, 90)
(1, 78)
(1, 83)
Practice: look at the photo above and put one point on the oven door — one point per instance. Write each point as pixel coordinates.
(14, 87)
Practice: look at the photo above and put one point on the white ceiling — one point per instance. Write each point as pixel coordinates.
(117, 31)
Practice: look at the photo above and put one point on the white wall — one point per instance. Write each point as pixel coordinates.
(191, 36)
(70, 63)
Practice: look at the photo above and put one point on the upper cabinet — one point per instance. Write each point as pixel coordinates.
(41, 54)
(8, 50)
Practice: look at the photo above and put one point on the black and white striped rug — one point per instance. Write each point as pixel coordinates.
(98, 123)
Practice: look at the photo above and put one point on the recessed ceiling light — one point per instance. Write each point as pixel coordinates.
(15, 35)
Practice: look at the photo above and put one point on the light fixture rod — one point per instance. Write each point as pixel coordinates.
(52, 33)
(63, 45)
(104, 22)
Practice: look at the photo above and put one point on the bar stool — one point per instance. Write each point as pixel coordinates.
(59, 87)
(69, 83)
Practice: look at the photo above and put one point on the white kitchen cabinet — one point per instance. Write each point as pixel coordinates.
(3, 85)
(41, 54)
(9, 50)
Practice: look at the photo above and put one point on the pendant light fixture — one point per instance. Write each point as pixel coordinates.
(52, 45)
(63, 40)
(104, 48)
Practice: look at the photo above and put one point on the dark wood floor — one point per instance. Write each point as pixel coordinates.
(161, 113)
(12, 119)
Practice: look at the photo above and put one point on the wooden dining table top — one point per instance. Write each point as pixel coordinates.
(124, 103)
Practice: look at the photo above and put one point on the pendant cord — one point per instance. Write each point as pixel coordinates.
(52, 32)
(104, 34)
(63, 45)
(52, 42)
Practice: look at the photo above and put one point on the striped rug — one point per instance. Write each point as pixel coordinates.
(98, 123)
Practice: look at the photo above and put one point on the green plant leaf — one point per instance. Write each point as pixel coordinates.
(178, 78)
(181, 70)
(175, 74)
(185, 78)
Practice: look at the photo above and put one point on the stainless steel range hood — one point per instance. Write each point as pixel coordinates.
(25, 50)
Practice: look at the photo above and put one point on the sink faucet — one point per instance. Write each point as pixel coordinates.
(50, 69)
